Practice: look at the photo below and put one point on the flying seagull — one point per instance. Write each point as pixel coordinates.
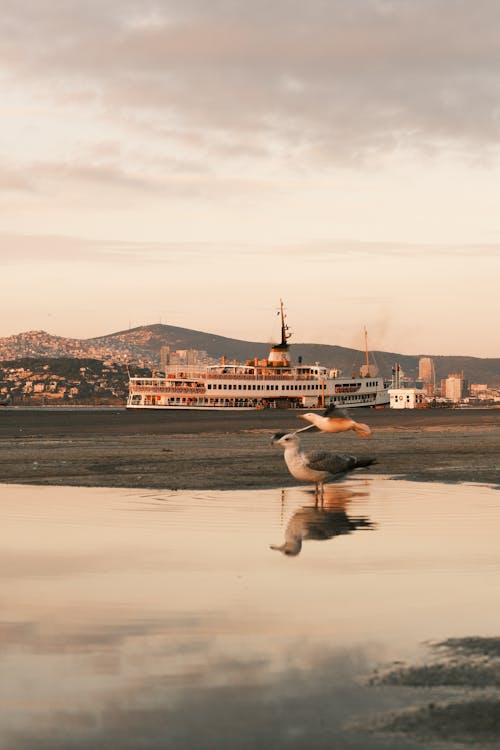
(334, 419)
(316, 466)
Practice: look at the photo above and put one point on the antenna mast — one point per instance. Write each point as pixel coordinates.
(284, 328)
(366, 353)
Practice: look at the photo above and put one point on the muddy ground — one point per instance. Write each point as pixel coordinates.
(224, 450)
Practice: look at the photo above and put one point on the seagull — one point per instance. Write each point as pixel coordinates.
(335, 420)
(316, 466)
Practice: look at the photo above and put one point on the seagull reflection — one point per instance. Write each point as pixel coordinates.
(324, 521)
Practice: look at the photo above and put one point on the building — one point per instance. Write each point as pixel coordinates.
(477, 388)
(455, 387)
(181, 357)
(426, 370)
(427, 374)
(407, 398)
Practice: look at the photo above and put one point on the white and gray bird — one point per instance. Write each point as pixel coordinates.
(316, 466)
(334, 419)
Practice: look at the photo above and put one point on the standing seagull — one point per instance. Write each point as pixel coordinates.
(335, 420)
(316, 466)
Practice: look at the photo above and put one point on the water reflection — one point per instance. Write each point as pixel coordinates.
(162, 620)
(323, 520)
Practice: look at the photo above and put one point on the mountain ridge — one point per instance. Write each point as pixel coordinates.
(143, 344)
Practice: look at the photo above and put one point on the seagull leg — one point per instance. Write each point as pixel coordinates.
(322, 492)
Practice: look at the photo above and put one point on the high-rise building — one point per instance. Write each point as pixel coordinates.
(164, 357)
(455, 387)
(427, 374)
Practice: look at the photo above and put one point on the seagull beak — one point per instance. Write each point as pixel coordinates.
(277, 437)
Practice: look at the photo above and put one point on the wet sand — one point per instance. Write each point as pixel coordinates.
(228, 450)
(461, 682)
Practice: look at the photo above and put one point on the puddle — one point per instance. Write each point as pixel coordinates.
(160, 619)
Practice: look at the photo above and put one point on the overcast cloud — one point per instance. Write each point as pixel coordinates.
(231, 129)
(333, 80)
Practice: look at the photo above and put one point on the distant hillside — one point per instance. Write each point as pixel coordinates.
(142, 345)
(149, 339)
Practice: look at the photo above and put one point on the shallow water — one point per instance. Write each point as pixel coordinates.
(146, 619)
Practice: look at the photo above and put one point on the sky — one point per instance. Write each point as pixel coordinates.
(192, 163)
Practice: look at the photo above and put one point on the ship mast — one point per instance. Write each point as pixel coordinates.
(284, 328)
(368, 370)
(279, 356)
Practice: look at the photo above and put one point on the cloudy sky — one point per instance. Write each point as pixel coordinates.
(192, 162)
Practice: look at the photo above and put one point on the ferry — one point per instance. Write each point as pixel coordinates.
(272, 383)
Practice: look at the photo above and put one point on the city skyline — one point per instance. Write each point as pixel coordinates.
(192, 163)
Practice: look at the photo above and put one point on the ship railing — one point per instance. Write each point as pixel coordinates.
(259, 376)
(267, 375)
(167, 389)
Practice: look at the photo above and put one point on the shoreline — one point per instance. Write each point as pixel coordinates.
(109, 447)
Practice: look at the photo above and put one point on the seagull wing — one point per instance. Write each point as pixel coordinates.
(333, 463)
(334, 411)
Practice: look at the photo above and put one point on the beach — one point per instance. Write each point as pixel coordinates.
(168, 583)
(232, 450)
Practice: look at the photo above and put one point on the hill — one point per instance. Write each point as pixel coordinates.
(142, 346)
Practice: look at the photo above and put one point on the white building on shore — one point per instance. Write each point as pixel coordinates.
(407, 398)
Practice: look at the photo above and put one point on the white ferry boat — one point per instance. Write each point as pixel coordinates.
(258, 384)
